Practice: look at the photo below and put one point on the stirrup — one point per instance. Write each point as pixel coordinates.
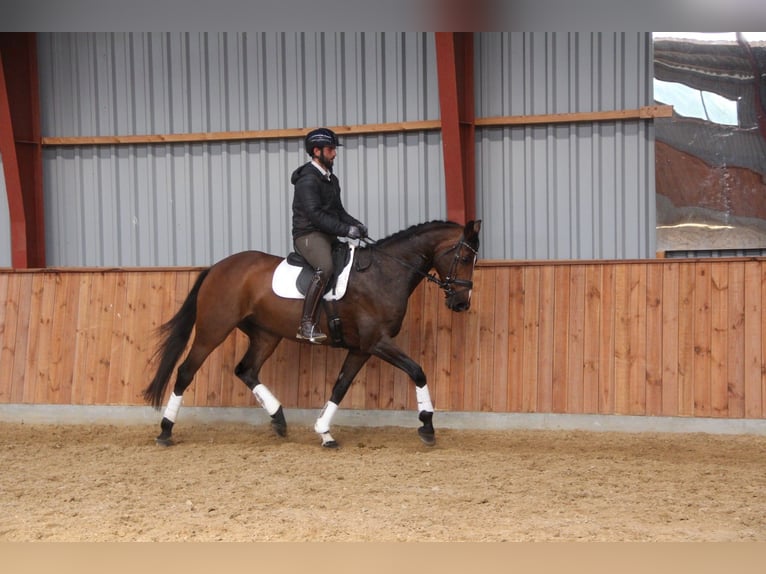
(314, 335)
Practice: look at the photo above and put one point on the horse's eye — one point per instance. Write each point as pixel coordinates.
(467, 259)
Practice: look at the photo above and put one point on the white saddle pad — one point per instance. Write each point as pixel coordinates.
(286, 275)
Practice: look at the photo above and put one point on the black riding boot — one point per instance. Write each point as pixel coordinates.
(309, 329)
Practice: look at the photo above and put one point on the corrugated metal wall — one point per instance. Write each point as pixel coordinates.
(569, 191)
(192, 204)
(5, 222)
(546, 192)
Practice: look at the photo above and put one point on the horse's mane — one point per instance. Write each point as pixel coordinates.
(415, 230)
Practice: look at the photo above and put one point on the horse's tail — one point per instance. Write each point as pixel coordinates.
(175, 335)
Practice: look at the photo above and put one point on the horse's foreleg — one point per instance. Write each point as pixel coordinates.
(386, 350)
(351, 366)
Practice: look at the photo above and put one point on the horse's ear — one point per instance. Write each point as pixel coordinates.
(472, 229)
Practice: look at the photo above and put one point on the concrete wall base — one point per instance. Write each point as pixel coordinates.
(136, 415)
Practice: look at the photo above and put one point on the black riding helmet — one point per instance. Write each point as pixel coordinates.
(321, 137)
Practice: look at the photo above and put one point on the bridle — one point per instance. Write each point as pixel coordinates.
(449, 282)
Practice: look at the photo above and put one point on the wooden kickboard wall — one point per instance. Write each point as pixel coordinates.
(652, 337)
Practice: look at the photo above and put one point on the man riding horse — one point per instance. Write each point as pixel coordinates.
(318, 219)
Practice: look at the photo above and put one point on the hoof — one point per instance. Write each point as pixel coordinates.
(162, 441)
(328, 441)
(427, 436)
(278, 423)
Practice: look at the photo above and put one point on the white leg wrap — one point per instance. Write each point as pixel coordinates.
(174, 404)
(424, 399)
(325, 418)
(266, 399)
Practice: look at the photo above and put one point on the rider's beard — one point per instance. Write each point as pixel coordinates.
(325, 161)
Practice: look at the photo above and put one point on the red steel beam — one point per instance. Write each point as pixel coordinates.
(454, 60)
(21, 147)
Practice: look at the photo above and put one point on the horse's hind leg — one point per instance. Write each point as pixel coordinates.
(184, 376)
(262, 345)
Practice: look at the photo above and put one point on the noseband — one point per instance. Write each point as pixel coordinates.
(450, 281)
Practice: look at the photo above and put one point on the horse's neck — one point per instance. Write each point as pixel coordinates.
(413, 257)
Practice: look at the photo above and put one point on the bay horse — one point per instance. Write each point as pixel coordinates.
(236, 292)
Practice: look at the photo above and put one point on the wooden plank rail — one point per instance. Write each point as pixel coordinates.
(653, 337)
(644, 113)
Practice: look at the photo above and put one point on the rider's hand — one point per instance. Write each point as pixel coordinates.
(354, 232)
(363, 231)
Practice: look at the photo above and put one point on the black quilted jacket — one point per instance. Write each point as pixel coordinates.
(317, 205)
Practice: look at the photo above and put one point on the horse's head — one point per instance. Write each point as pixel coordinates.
(455, 264)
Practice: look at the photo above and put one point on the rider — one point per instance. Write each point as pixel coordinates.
(318, 218)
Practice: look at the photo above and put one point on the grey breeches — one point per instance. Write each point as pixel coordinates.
(316, 248)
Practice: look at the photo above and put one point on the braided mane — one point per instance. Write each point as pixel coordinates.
(415, 230)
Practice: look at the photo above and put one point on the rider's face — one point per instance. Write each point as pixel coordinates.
(326, 156)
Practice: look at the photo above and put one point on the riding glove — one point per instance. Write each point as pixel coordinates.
(354, 232)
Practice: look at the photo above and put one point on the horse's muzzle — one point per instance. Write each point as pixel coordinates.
(459, 301)
(460, 306)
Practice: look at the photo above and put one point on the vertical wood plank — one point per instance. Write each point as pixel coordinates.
(88, 283)
(10, 290)
(484, 346)
(559, 375)
(516, 334)
(670, 326)
(501, 342)
(120, 380)
(735, 371)
(130, 372)
(64, 334)
(87, 390)
(575, 399)
(531, 299)
(591, 338)
(607, 334)
(43, 354)
(305, 398)
(654, 339)
(719, 346)
(28, 379)
(546, 337)
(752, 357)
(98, 391)
(622, 349)
(702, 324)
(318, 376)
(686, 312)
(762, 266)
(637, 373)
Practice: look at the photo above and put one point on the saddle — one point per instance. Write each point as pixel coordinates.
(293, 275)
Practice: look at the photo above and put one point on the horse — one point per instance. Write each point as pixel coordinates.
(236, 292)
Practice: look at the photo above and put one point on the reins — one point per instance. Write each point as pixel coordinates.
(449, 281)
